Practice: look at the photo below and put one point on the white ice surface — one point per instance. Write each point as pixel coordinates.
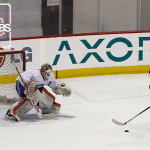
(85, 119)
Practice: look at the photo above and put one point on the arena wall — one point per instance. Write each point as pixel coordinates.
(93, 54)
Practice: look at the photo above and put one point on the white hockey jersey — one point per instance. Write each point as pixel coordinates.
(36, 76)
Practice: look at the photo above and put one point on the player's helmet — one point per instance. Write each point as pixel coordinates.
(45, 70)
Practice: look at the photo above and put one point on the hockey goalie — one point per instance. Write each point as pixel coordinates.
(30, 88)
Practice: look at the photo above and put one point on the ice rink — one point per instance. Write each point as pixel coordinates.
(85, 119)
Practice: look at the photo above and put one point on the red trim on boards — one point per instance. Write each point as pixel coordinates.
(81, 34)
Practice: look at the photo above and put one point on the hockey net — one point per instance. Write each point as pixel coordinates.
(8, 74)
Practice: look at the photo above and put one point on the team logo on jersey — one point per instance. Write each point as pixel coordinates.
(5, 25)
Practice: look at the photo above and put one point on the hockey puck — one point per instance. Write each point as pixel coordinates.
(126, 131)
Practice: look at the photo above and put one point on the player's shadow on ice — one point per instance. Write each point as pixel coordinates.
(35, 118)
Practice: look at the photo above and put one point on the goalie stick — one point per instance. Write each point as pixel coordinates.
(40, 115)
(122, 124)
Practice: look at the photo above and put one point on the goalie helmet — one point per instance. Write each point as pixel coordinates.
(45, 70)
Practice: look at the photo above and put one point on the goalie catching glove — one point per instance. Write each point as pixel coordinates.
(63, 89)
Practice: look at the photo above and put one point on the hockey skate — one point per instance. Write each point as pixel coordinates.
(10, 116)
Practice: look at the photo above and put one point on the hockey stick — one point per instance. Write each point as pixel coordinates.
(122, 124)
(32, 100)
(19, 73)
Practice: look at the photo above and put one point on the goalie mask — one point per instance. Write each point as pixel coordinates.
(45, 70)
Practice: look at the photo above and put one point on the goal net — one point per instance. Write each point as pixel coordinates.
(8, 74)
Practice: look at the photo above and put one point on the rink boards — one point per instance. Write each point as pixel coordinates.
(102, 71)
(93, 54)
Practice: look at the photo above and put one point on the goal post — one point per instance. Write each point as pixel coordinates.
(8, 74)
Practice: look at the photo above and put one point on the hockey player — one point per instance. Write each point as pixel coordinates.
(31, 84)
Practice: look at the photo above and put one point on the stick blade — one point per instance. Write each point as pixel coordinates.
(117, 122)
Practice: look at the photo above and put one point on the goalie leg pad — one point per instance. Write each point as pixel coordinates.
(20, 108)
(24, 105)
(55, 108)
(46, 101)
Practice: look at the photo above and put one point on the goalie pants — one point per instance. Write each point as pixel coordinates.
(20, 89)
